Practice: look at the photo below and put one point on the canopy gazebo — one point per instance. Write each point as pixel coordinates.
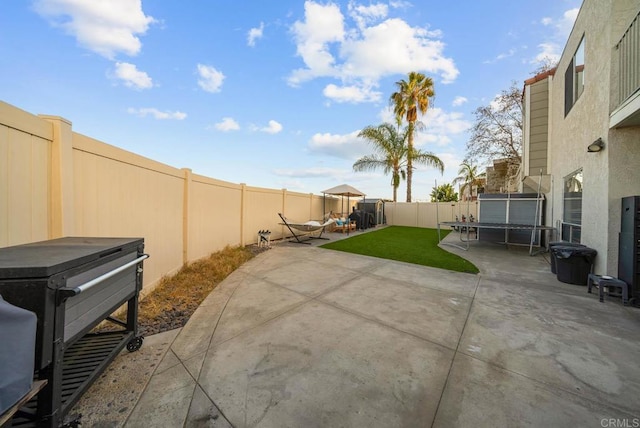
(341, 190)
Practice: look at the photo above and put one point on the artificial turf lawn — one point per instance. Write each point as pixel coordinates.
(406, 244)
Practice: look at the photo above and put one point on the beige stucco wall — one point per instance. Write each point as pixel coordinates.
(587, 121)
(624, 180)
(613, 172)
(623, 143)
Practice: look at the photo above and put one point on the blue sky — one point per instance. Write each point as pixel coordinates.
(270, 94)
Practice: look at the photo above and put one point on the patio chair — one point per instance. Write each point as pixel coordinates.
(345, 225)
(309, 226)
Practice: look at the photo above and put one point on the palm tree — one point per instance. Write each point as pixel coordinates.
(469, 176)
(390, 153)
(413, 95)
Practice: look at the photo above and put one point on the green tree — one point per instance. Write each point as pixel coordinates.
(469, 176)
(392, 154)
(444, 193)
(413, 95)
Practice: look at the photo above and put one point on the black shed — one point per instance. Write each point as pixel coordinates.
(375, 207)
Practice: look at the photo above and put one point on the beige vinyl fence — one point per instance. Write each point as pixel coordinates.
(55, 182)
(427, 214)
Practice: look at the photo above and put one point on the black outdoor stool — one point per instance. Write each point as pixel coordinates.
(606, 281)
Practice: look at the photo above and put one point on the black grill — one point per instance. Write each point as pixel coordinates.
(72, 285)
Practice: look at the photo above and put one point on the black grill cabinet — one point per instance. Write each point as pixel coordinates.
(72, 284)
(629, 247)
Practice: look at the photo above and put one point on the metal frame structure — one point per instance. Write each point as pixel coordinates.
(462, 226)
(309, 228)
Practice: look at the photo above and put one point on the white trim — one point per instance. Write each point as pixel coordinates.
(629, 107)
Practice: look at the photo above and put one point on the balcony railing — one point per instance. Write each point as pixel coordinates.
(629, 61)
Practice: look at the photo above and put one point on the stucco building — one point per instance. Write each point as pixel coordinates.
(582, 128)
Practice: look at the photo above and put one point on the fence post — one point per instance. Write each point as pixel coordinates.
(62, 217)
(186, 212)
(284, 201)
(243, 214)
(284, 210)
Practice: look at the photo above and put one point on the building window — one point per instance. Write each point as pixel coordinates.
(572, 204)
(574, 78)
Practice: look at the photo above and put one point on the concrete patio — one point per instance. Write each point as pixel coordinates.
(306, 337)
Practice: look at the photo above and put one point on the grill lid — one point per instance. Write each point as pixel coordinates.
(46, 258)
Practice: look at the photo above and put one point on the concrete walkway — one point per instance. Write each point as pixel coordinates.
(307, 337)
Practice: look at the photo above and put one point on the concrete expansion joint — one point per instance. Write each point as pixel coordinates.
(248, 330)
(224, 308)
(390, 327)
(456, 351)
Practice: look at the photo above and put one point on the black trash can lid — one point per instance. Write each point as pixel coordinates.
(565, 252)
(565, 244)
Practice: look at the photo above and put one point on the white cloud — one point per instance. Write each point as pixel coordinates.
(405, 47)
(322, 25)
(386, 115)
(131, 76)
(501, 56)
(299, 179)
(105, 27)
(255, 34)
(548, 52)
(364, 15)
(345, 146)
(313, 172)
(458, 101)
(329, 48)
(227, 124)
(565, 24)
(353, 94)
(157, 114)
(451, 163)
(210, 79)
(273, 127)
(551, 48)
(400, 4)
(441, 126)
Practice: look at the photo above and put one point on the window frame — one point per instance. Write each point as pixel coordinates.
(574, 82)
(571, 225)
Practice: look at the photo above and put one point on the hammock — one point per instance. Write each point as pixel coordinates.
(309, 226)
